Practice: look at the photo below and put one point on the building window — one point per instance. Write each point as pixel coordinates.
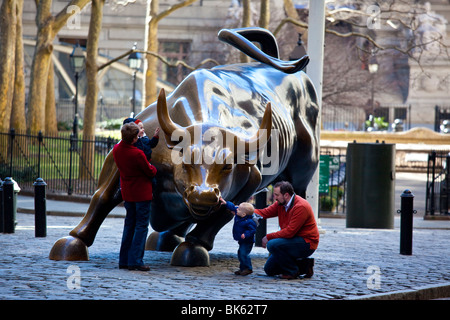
(173, 51)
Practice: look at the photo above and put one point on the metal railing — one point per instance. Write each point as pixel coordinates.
(68, 164)
(438, 184)
(333, 200)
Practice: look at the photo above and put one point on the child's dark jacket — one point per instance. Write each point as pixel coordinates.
(146, 144)
(245, 225)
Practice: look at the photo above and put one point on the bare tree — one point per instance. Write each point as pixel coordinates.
(18, 120)
(7, 60)
(90, 109)
(48, 26)
(400, 17)
(150, 67)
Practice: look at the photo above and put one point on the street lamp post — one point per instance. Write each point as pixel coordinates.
(77, 61)
(299, 50)
(134, 62)
(373, 69)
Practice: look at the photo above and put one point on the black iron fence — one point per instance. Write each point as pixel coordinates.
(340, 118)
(68, 164)
(438, 184)
(332, 186)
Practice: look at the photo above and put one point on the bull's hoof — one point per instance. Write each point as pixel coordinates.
(69, 249)
(190, 255)
(162, 241)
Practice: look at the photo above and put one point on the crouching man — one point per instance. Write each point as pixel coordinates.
(298, 237)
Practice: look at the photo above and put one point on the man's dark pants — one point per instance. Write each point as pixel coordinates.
(283, 255)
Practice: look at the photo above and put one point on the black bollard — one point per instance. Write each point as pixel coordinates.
(261, 230)
(8, 206)
(406, 222)
(40, 208)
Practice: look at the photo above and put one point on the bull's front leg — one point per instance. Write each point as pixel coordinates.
(193, 252)
(107, 196)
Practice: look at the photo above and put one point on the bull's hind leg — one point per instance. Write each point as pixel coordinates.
(107, 196)
(194, 251)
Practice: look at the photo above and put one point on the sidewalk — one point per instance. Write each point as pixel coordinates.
(349, 264)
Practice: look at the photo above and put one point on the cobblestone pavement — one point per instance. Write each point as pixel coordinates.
(349, 263)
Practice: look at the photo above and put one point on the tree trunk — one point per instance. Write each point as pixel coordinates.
(51, 125)
(264, 17)
(18, 119)
(7, 57)
(39, 68)
(90, 109)
(48, 26)
(151, 74)
(246, 22)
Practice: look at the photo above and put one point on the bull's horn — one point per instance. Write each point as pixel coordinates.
(264, 128)
(166, 123)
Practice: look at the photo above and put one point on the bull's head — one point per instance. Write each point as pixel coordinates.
(209, 161)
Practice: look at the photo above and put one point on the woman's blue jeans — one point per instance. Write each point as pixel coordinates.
(134, 233)
(284, 253)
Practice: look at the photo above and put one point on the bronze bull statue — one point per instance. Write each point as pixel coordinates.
(220, 125)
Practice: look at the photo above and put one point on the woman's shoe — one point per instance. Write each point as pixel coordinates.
(246, 272)
(139, 268)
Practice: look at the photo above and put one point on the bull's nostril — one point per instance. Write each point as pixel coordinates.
(217, 192)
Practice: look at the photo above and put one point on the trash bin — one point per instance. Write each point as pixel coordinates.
(370, 172)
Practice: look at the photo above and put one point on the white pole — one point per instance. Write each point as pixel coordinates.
(316, 39)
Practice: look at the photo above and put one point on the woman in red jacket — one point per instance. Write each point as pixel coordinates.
(298, 237)
(136, 176)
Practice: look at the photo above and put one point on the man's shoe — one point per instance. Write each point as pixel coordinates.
(305, 267)
(121, 266)
(139, 268)
(237, 272)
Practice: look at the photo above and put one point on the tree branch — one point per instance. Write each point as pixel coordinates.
(162, 59)
(177, 6)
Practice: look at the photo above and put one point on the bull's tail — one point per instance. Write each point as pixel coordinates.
(242, 40)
